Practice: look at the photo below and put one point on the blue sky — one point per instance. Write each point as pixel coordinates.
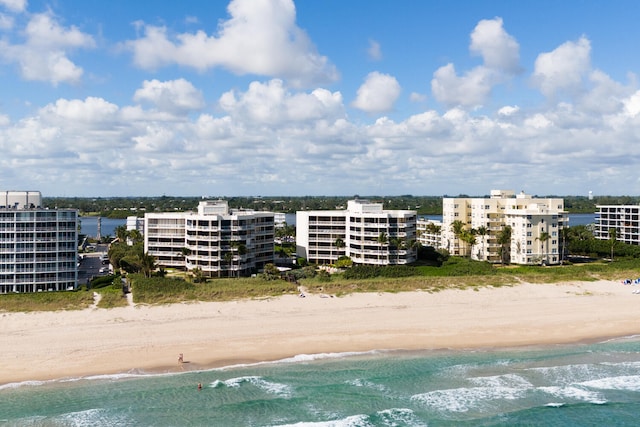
(283, 98)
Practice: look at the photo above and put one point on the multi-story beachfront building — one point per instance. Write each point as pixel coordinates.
(365, 232)
(535, 228)
(625, 219)
(38, 246)
(218, 241)
(429, 232)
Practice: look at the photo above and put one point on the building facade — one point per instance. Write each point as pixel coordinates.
(38, 246)
(535, 226)
(218, 241)
(364, 232)
(429, 232)
(624, 219)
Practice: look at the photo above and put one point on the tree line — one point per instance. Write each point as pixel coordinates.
(121, 207)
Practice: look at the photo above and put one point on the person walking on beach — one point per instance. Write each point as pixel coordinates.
(180, 358)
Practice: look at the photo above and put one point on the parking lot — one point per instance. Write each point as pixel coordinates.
(93, 264)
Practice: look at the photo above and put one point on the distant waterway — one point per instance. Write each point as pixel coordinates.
(89, 225)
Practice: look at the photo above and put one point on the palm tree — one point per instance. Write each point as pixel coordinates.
(227, 258)
(148, 264)
(564, 231)
(457, 227)
(135, 236)
(544, 238)
(504, 240)
(382, 240)
(121, 233)
(482, 231)
(469, 237)
(339, 244)
(613, 238)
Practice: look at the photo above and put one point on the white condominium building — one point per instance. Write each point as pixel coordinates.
(38, 246)
(365, 232)
(428, 232)
(536, 228)
(625, 219)
(218, 241)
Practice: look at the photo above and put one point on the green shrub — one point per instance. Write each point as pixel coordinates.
(372, 271)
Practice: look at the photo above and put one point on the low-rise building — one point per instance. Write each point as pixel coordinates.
(364, 232)
(38, 246)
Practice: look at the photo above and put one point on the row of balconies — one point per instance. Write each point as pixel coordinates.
(35, 230)
(61, 284)
(18, 269)
(340, 223)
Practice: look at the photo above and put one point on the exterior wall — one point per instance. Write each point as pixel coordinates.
(454, 209)
(364, 232)
(165, 239)
(624, 218)
(428, 232)
(38, 249)
(536, 225)
(218, 242)
(135, 223)
(20, 199)
(280, 219)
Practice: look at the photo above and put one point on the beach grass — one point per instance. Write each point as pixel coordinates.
(46, 301)
(460, 274)
(174, 290)
(111, 297)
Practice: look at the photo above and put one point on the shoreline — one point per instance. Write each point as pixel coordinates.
(73, 344)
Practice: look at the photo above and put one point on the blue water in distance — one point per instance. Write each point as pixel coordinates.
(573, 385)
(89, 225)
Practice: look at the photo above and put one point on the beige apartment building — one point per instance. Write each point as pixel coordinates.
(536, 227)
(365, 232)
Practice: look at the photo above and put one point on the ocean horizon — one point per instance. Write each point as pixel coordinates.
(560, 385)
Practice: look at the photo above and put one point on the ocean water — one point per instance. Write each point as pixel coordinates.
(578, 385)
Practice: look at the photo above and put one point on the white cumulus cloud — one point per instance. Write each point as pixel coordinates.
(377, 94)
(274, 103)
(175, 96)
(564, 68)
(499, 50)
(44, 54)
(14, 5)
(261, 37)
(500, 53)
(469, 90)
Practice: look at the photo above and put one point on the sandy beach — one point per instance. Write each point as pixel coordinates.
(53, 345)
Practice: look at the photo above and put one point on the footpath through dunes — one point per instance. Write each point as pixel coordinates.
(135, 338)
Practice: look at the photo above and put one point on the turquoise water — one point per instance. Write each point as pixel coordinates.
(586, 385)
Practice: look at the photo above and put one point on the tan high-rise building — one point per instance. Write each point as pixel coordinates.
(535, 228)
